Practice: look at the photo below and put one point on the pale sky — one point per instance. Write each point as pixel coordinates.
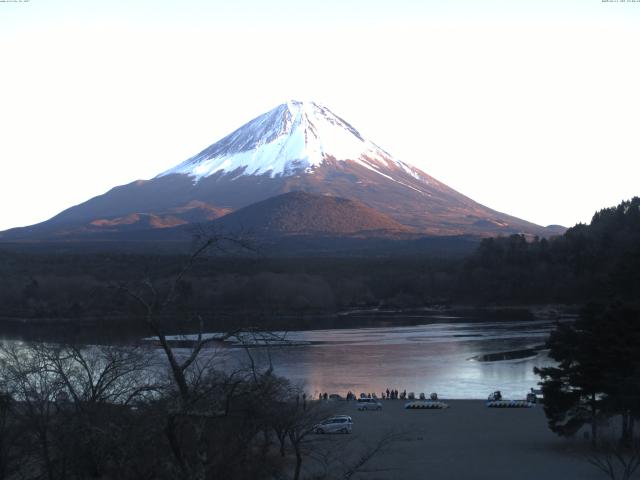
(531, 108)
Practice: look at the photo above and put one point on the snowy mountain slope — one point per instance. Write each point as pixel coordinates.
(297, 146)
(291, 138)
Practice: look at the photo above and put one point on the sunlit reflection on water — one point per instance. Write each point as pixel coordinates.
(424, 358)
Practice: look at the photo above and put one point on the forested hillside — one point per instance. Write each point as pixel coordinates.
(600, 261)
(589, 262)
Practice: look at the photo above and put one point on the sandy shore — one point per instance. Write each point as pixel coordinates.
(466, 441)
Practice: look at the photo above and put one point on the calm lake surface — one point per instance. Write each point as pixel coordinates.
(436, 357)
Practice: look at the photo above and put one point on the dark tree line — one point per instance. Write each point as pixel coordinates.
(589, 262)
(597, 376)
(599, 261)
(598, 371)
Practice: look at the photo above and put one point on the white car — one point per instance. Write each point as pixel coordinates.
(337, 424)
(343, 416)
(369, 404)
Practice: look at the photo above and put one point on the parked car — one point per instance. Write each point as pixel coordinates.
(369, 404)
(335, 396)
(344, 416)
(337, 424)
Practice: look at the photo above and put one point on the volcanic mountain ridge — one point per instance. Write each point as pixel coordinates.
(297, 146)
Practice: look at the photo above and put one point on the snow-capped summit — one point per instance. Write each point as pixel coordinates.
(293, 137)
(296, 147)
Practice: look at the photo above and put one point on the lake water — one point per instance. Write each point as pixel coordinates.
(437, 357)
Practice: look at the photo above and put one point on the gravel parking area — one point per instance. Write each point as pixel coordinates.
(465, 441)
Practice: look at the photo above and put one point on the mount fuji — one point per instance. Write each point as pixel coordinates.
(297, 146)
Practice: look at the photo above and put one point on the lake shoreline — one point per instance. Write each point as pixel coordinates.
(127, 328)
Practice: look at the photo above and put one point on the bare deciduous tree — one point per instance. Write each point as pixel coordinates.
(155, 301)
(205, 398)
(617, 460)
(10, 436)
(68, 400)
(349, 457)
(302, 422)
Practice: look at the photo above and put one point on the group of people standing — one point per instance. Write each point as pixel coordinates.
(386, 395)
(394, 395)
